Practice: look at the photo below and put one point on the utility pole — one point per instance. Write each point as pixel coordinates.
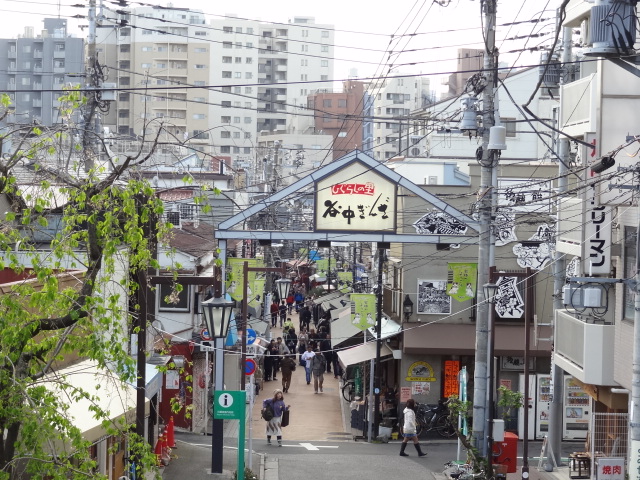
(484, 245)
(91, 125)
(559, 273)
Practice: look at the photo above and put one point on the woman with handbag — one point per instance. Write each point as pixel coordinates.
(274, 425)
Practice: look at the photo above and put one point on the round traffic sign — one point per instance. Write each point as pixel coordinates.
(249, 366)
(251, 336)
(204, 334)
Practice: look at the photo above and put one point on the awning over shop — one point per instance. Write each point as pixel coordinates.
(389, 328)
(362, 353)
(111, 395)
(341, 327)
(326, 298)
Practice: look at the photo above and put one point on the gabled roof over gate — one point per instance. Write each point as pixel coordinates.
(225, 229)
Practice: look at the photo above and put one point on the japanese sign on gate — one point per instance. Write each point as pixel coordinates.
(355, 199)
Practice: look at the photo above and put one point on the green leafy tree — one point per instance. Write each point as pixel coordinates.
(74, 298)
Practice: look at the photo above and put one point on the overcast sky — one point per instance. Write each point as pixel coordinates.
(366, 32)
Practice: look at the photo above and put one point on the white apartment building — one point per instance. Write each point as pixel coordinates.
(393, 99)
(247, 70)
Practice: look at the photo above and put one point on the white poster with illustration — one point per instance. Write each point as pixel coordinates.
(509, 302)
(433, 298)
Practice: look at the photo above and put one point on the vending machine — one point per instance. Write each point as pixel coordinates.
(543, 404)
(576, 410)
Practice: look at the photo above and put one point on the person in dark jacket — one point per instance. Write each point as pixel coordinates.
(305, 318)
(287, 366)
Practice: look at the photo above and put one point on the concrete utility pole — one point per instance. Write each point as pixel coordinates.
(91, 118)
(559, 273)
(484, 245)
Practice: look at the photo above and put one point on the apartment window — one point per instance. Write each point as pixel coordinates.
(145, 65)
(248, 75)
(236, 134)
(225, 149)
(249, 45)
(201, 33)
(238, 44)
(227, 45)
(236, 119)
(200, 66)
(238, 60)
(184, 296)
(237, 104)
(225, 134)
(238, 29)
(199, 116)
(125, 32)
(226, 59)
(324, 48)
(324, 63)
(303, 77)
(248, 105)
(146, 32)
(248, 89)
(305, 33)
(26, 81)
(159, 82)
(237, 89)
(226, 74)
(225, 104)
(125, 48)
(510, 125)
(147, 49)
(326, 118)
(247, 119)
(236, 149)
(199, 83)
(123, 97)
(161, 65)
(237, 75)
(247, 135)
(199, 99)
(325, 34)
(250, 30)
(342, 102)
(162, 49)
(629, 296)
(123, 81)
(225, 119)
(248, 60)
(227, 29)
(304, 62)
(305, 47)
(324, 78)
(246, 150)
(200, 50)
(326, 103)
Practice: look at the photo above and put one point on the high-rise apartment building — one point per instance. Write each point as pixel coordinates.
(217, 85)
(35, 68)
(393, 100)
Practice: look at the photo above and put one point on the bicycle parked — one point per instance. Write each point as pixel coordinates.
(436, 418)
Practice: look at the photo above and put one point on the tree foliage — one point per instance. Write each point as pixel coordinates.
(75, 226)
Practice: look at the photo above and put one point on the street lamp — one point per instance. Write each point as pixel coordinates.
(283, 285)
(407, 308)
(217, 316)
(490, 291)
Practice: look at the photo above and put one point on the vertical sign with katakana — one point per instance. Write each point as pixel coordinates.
(356, 199)
(363, 310)
(597, 237)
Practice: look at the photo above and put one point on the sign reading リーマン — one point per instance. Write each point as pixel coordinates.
(356, 199)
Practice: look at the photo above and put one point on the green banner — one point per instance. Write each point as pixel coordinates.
(235, 272)
(363, 310)
(463, 278)
(344, 281)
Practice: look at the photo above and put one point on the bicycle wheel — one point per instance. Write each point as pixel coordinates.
(347, 392)
(444, 427)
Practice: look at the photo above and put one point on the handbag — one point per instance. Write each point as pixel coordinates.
(267, 412)
(285, 419)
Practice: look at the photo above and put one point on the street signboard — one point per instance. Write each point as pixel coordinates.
(251, 336)
(229, 405)
(204, 334)
(249, 366)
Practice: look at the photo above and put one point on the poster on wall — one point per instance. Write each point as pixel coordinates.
(420, 388)
(433, 298)
(462, 281)
(538, 250)
(363, 310)
(504, 227)
(509, 302)
(405, 394)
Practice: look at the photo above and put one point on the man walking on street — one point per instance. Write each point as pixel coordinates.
(318, 366)
(306, 359)
(287, 366)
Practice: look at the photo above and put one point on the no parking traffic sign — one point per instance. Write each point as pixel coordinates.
(249, 366)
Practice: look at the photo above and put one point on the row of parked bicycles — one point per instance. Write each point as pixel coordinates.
(428, 417)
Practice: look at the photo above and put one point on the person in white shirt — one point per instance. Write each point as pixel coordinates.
(409, 429)
(307, 357)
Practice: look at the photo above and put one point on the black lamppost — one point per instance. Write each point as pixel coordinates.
(217, 316)
(407, 308)
(283, 285)
(490, 291)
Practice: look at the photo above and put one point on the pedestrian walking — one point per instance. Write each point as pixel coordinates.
(288, 324)
(318, 366)
(267, 363)
(409, 429)
(306, 361)
(287, 366)
(274, 425)
(325, 347)
(303, 340)
(291, 339)
(305, 318)
(274, 354)
(290, 301)
(299, 299)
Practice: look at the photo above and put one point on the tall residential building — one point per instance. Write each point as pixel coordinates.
(393, 100)
(245, 69)
(470, 62)
(35, 68)
(339, 114)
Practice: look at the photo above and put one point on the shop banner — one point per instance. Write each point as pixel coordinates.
(344, 281)
(463, 279)
(235, 272)
(363, 310)
(323, 265)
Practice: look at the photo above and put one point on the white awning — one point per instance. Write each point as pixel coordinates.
(362, 353)
(389, 328)
(341, 327)
(111, 395)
